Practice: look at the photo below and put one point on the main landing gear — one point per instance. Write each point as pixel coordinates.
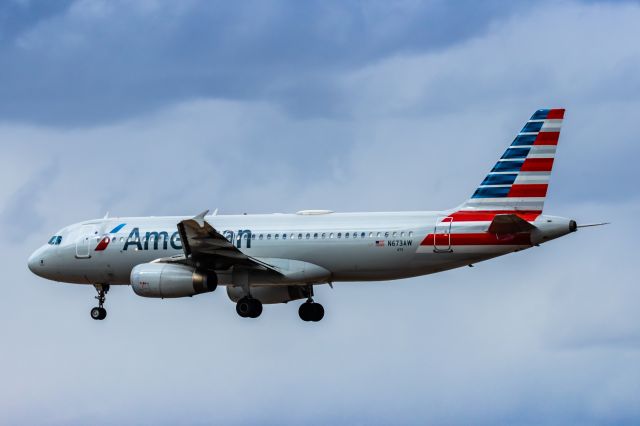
(311, 311)
(248, 307)
(100, 313)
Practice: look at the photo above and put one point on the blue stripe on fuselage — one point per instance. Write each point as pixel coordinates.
(117, 228)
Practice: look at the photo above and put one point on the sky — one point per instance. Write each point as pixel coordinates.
(170, 108)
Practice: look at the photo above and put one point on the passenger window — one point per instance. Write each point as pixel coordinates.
(315, 236)
(308, 236)
(299, 236)
(346, 235)
(402, 234)
(261, 236)
(339, 234)
(386, 234)
(284, 236)
(268, 236)
(277, 236)
(362, 235)
(331, 235)
(253, 236)
(378, 234)
(323, 235)
(411, 233)
(370, 234)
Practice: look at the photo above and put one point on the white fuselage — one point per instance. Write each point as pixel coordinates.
(350, 246)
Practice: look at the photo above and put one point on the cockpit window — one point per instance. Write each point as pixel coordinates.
(55, 240)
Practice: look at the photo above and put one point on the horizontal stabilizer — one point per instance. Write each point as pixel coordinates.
(509, 224)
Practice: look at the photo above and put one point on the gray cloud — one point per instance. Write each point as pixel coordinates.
(96, 61)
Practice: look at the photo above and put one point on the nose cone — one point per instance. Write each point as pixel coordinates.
(36, 262)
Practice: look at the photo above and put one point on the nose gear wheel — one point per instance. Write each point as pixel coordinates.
(99, 312)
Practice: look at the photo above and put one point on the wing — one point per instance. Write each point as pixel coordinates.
(509, 224)
(204, 247)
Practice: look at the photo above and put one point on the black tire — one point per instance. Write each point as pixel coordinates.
(256, 308)
(318, 312)
(243, 307)
(96, 313)
(103, 313)
(304, 311)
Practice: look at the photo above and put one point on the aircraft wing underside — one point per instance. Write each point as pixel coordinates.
(204, 247)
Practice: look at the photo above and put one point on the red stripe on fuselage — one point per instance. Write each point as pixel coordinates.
(103, 244)
(488, 215)
(480, 239)
(537, 165)
(528, 190)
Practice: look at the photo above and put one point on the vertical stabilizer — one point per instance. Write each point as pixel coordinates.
(519, 180)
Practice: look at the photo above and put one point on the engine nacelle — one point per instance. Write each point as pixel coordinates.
(267, 295)
(169, 280)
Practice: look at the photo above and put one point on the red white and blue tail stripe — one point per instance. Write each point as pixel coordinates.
(519, 180)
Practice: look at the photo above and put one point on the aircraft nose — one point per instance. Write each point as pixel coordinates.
(36, 262)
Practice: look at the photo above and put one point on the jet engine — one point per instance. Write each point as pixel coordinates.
(268, 295)
(170, 280)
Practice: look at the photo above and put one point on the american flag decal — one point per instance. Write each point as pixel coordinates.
(380, 243)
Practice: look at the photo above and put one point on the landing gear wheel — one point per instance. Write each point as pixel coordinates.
(318, 312)
(248, 307)
(256, 309)
(303, 311)
(98, 313)
(311, 311)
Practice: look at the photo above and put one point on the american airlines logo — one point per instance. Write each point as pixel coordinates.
(104, 242)
(156, 240)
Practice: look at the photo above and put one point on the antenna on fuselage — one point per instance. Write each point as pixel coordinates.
(106, 216)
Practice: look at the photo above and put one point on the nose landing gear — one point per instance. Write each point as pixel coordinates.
(100, 313)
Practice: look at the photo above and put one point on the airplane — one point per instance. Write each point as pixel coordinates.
(279, 258)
